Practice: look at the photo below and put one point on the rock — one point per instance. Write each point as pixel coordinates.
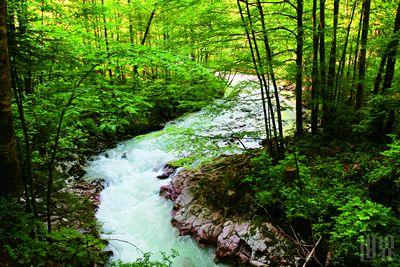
(257, 263)
(168, 170)
(244, 252)
(88, 189)
(227, 246)
(204, 233)
(217, 231)
(244, 241)
(77, 171)
(165, 192)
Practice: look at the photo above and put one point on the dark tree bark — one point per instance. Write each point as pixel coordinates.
(322, 62)
(55, 148)
(363, 54)
(329, 101)
(106, 36)
(131, 41)
(388, 58)
(18, 89)
(256, 66)
(391, 63)
(9, 165)
(357, 47)
(392, 52)
(339, 76)
(147, 31)
(276, 143)
(299, 69)
(314, 74)
(273, 79)
(381, 70)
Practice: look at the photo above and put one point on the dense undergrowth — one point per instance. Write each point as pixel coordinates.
(344, 196)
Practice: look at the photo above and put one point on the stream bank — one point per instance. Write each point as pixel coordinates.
(131, 210)
(239, 236)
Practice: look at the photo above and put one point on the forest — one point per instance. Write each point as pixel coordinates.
(199, 133)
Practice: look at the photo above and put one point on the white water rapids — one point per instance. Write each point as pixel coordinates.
(131, 211)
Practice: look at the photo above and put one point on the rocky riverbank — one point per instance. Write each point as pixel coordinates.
(75, 184)
(239, 238)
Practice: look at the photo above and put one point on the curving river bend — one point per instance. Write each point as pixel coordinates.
(131, 211)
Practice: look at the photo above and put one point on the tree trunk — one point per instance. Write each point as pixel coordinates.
(106, 36)
(273, 79)
(314, 74)
(392, 52)
(9, 165)
(354, 78)
(146, 33)
(131, 41)
(363, 54)
(299, 69)
(257, 65)
(339, 76)
(322, 54)
(329, 101)
(381, 69)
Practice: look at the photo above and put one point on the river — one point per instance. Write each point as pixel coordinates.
(133, 216)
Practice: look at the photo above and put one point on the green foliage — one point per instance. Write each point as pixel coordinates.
(24, 241)
(393, 153)
(376, 114)
(345, 197)
(146, 261)
(357, 220)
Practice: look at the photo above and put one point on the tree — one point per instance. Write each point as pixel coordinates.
(322, 63)
(330, 83)
(9, 165)
(299, 69)
(392, 52)
(314, 74)
(362, 61)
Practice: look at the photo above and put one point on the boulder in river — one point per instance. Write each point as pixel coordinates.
(168, 170)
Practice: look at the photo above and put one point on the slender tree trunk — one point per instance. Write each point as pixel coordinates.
(392, 52)
(9, 165)
(363, 54)
(256, 61)
(131, 40)
(314, 74)
(322, 62)
(273, 79)
(27, 177)
(55, 148)
(106, 36)
(299, 69)
(18, 89)
(381, 69)
(354, 78)
(339, 77)
(23, 26)
(146, 33)
(330, 84)
(391, 63)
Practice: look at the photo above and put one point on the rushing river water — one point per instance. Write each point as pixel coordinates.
(131, 211)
